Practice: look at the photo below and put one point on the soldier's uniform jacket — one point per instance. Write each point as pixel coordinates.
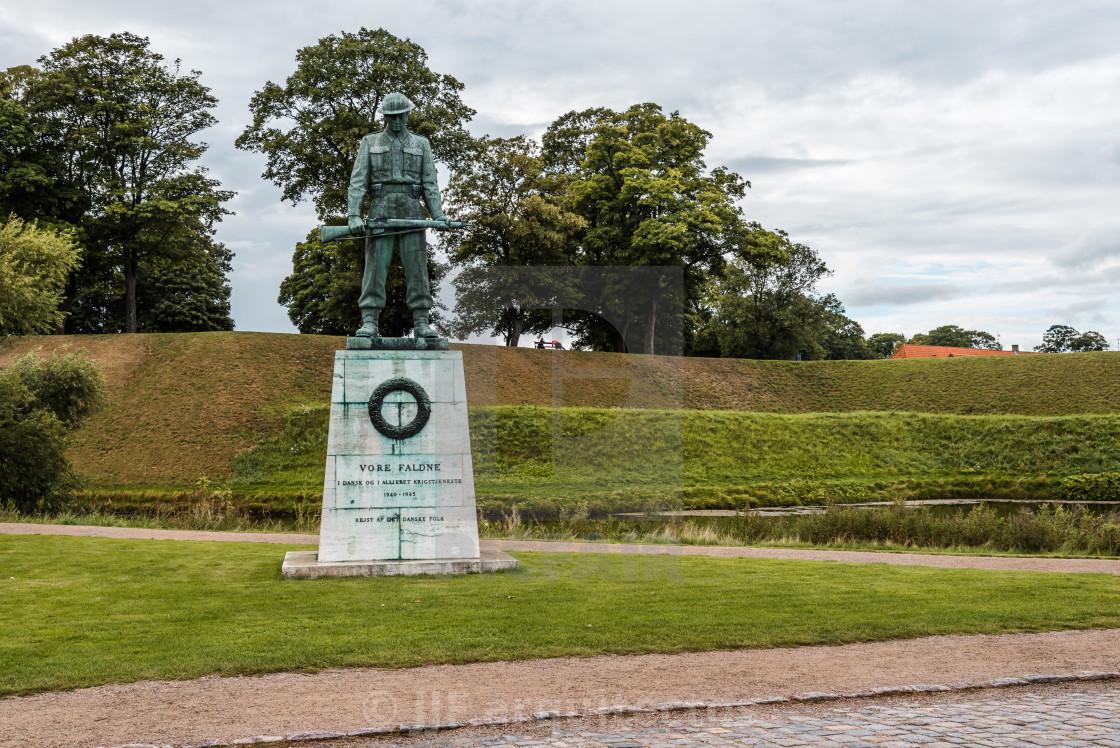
(398, 173)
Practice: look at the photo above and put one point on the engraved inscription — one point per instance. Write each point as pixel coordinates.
(397, 481)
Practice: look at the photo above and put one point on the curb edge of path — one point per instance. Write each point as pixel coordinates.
(413, 728)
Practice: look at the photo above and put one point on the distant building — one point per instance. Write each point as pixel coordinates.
(909, 350)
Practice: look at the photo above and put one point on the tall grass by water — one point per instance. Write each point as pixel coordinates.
(209, 506)
(1049, 529)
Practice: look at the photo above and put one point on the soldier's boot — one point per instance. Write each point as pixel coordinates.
(369, 324)
(421, 328)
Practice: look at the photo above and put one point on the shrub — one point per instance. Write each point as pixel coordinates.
(34, 265)
(1091, 487)
(40, 402)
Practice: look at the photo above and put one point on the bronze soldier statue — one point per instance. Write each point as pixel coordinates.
(394, 167)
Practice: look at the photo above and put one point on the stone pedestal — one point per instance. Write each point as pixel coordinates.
(398, 496)
(306, 565)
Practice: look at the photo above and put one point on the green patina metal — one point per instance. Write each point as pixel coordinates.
(389, 227)
(402, 429)
(394, 169)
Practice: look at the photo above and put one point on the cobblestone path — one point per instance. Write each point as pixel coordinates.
(1064, 719)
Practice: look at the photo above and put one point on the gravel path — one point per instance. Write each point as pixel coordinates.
(90, 531)
(1067, 565)
(226, 709)
(1005, 563)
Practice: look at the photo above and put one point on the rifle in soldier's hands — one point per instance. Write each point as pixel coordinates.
(387, 227)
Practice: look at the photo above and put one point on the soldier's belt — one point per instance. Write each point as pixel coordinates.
(406, 189)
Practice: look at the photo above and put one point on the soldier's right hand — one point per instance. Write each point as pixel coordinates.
(357, 225)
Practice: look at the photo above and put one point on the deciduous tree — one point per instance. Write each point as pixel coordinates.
(123, 123)
(310, 128)
(840, 336)
(649, 200)
(1088, 341)
(517, 220)
(884, 344)
(765, 306)
(955, 336)
(27, 186)
(1065, 339)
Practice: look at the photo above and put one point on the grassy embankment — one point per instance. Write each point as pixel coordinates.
(599, 461)
(250, 408)
(84, 611)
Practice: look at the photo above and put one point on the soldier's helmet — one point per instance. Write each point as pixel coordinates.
(396, 103)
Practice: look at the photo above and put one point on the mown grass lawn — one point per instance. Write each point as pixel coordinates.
(84, 611)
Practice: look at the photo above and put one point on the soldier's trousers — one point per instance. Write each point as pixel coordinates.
(414, 258)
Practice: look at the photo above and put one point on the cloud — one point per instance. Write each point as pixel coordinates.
(770, 164)
(1089, 309)
(904, 295)
(954, 162)
(1092, 248)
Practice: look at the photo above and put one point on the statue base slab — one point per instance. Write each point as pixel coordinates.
(357, 343)
(306, 565)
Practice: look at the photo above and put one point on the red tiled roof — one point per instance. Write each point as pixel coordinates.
(910, 350)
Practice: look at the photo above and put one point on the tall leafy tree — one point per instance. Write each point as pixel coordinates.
(122, 122)
(1089, 341)
(957, 337)
(840, 336)
(764, 304)
(27, 187)
(517, 220)
(649, 200)
(310, 128)
(884, 344)
(191, 294)
(566, 140)
(1065, 339)
(700, 335)
(766, 308)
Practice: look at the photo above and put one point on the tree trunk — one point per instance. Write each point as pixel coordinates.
(620, 336)
(67, 304)
(130, 268)
(518, 326)
(651, 321)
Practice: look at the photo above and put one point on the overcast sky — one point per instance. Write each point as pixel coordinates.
(952, 162)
